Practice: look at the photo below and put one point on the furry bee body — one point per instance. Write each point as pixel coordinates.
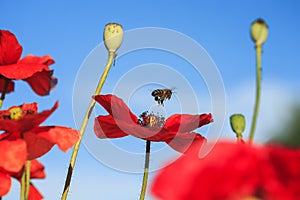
(161, 94)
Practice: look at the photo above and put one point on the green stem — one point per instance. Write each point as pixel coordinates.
(6, 83)
(22, 184)
(146, 170)
(258, 87)
(27, 179)
(111, 58)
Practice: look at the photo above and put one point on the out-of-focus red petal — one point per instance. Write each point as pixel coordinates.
(10, 49)
(186, 123)
(4, 114)
(225, 173)
(5, 185)
(117, 108)
(34, 194)
(26, 67)
(64, 137)
(42, 82)
(36, 145)
(27, 122)
(30, 108)
(106, 127)
(37, 169)
(13, 154)
(40, 140)
(287, 166)
(10, 87)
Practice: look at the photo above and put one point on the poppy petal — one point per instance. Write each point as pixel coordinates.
(36, 145)
(64, 137)
(13, 154)
(26, 67)
(186, 123)
(182, 142)
(286, 163)
(42, 82)
(10, 49)
(117, 108)
(106, 127)
(10, 87)
(26, 122)
(5, 185)
(204, 178)
(42, 139)
(37, 170)
(34, 194)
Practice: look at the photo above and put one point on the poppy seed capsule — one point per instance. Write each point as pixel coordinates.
(259, 31)
(113, 36)
(237, 122)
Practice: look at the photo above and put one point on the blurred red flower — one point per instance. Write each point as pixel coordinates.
(36, 172)
(21, 124)
(121, 122)
(32, 69)
(232, 172)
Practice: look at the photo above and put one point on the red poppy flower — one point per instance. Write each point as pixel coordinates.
(36, 172)
(22, 123)
(32, 69)
(175, 131)
(232, 171)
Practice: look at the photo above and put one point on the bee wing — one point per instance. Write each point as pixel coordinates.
(173, 89)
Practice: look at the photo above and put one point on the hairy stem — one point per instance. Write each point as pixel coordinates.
(146, 170)
(111, 58)
(258, 88)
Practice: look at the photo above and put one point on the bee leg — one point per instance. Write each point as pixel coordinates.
(159, 101)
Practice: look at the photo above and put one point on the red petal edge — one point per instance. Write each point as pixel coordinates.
(10, 49)
(5, 185)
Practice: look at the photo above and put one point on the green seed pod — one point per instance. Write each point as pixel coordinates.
(259, 31)
(237, 122)
(113, 36)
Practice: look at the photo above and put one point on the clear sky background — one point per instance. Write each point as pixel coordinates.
(70, 30)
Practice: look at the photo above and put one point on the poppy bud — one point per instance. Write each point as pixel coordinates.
(259, 31)
(113, 36)
(237, 122)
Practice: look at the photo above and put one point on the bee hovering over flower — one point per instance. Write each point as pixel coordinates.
(161, 94)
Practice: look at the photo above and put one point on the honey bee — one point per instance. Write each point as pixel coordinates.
(161, 94)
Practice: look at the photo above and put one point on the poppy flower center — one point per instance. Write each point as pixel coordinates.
(16, 112)
(151, 120)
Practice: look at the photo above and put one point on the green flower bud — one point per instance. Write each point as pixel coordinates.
(237, 122)
(113, 36)
(259, 31)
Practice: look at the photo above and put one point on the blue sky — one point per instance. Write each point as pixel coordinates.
(69, 31)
